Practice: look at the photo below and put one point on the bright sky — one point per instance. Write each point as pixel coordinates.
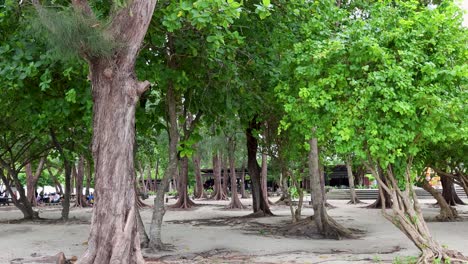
(464, 5)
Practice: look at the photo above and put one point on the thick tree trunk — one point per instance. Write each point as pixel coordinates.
(447, 213)
(80, 198)
(352, 191)
(235, 201)
(218, 190)
(31, 180)
(113, 236)
(21, 202)
(184, 201)
(407, 216)
(199, 191)
(159, 210)
(259, 205)
(448, 191)
(326, 226)
(264, 176)
(242, 182)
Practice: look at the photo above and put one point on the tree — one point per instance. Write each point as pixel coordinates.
(392, 92)
(115, 93)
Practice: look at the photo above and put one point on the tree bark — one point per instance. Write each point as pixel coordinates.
(235, 201)
(448, 191)
(218, 190)
(447, 213)
(159, 209)
(326, 226)
(259, 204)
(31, 180)
(156, 174)
(352, 191)
(199, 190)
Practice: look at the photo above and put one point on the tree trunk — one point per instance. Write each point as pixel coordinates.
(235, 201)
(156, 174)
(80, 198)
(352, 191)
(68, 175)
(326, 226)
(259, 204)
(88, 177)
(264, 173)
(142, 184)
(184, 201)
(218, 190)
(225, 174)
(58, 185)
(21, 202)
(31, 180)
(407, 216)
(384, 200)
(447, 213)
(144, 239)
(149, 181)
(199, 190)
(448, 191)
(361, 172)
(242, 182)
(159, 209)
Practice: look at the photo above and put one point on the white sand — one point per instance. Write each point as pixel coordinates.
(28, 240)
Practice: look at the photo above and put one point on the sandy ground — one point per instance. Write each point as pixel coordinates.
(223, 242)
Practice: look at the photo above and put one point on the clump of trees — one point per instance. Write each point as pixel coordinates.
(228, 84)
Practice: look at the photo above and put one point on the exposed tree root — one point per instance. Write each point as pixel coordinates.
(258, 214)
(356, 202)
(184, 202)
(428, 256)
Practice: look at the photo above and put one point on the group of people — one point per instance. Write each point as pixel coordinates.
(48, 198)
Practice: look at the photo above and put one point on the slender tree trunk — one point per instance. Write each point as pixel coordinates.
(325, 224)
(235, 201)
(58, 185)
(156, 174)
(184, 201)
(447, 213)
(352, 191)
(264, 173)
(384, 200)
(159, 209)
(31, 180)
(88, 176)
(80, 198)
(199, 191)
(68, 176)
(144, 239)
(242, 182)
(448, 191)
(225, 174)
(142, 178)
(259, 205)
(149, 181)
(218, 190)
